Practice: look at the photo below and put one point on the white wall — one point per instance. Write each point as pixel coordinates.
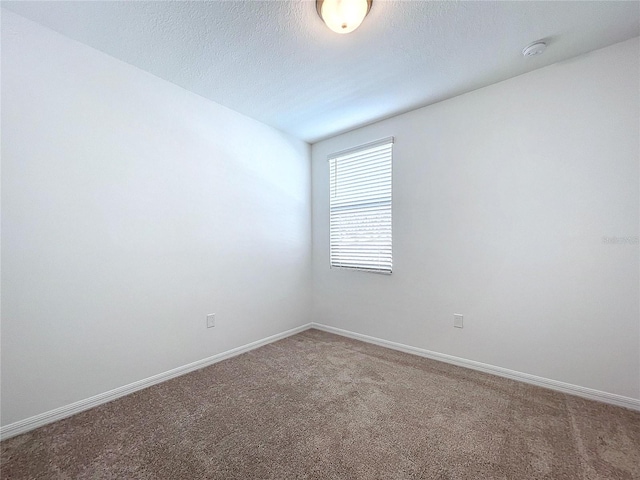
(502, 198)
(131, 208)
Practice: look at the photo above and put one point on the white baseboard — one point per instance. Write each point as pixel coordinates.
(31, 423)
(23, 426)
(569, 388)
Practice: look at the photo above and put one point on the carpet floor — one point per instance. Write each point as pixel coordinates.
(320, 406)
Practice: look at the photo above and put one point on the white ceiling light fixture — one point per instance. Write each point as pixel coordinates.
(343, 16)
(536, 48)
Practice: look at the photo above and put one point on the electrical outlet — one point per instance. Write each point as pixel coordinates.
(457, 320)
(211, 320)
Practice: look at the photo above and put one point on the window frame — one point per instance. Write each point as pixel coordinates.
(350, 151)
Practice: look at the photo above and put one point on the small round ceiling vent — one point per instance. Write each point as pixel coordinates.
(534, 49)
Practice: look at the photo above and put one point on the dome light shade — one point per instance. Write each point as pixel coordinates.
(343, 16)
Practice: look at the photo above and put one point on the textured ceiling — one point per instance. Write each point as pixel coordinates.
(275, 61)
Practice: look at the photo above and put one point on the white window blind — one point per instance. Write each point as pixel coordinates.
(360, 207)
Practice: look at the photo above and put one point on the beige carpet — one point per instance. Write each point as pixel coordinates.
(319, 406)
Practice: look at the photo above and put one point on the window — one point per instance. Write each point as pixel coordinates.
(360, 207)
